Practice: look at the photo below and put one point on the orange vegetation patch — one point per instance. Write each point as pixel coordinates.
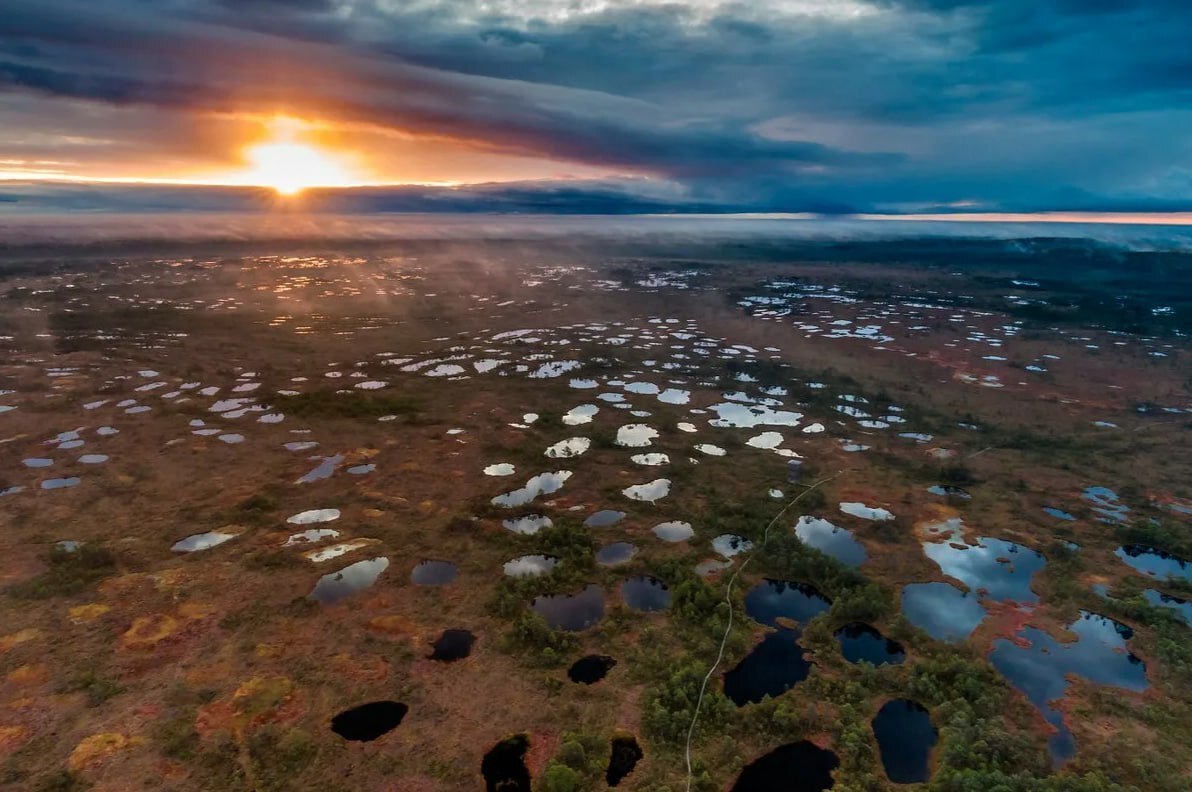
(28, 676)
(21, 636)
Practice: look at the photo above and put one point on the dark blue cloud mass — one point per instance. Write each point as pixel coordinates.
(733, 105)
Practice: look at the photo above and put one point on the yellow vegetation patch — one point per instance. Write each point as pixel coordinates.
(94, 749)
(148, 631)
(85, 613)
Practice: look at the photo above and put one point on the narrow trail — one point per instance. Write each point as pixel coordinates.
(728, 598)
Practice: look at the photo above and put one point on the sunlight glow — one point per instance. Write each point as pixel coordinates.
(289, 165)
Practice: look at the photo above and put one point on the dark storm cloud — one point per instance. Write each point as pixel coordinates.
(1006, 104)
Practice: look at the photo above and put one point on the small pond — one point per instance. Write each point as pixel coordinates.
(624, 754)
(905, 738)
(504, 766)
(796, 767)
(646, 594)
(839, 543)
(590, 669)
(616, 554)
(861, 643)
(336, 586)
(452, 645)
(571, 612)
(433, 573)
(369, 721)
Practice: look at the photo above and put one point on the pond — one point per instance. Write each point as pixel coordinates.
(674, 531)
(624, 754)
(571, 447)
(731, 415)
(571, 612)
(862, 643)
(905, 738)
(995, 568)
(531, 565)
(774, 666)
(616, 554)
(582, 414)
(312, 516)
(729, 545)
(830, 540)
(1059, 514)
(310, 536)
(771, 600)
(433, 573)
(1154, 562)
(635, 435)
(777, 663)
(452, 645)
(649, 492)
(941, 610)
(527, 525)
(1106, 504)
(201, 541)
(1182, 607)
(504, 766)
(796, 767)
(500, 469)
(855, 509)
(542, 484)
(60, 483)
(336, 586)
(369, 721)
(604, 518)
(645, 594)
(590, 669)
(323, 470)
(1039, 665)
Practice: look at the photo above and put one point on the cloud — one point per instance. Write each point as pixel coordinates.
(861, 103)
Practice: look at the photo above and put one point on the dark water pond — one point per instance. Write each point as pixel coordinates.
(433, 573)
(862, 643)
(995, 568)
(604, 518)
(1038, 665)
(452, 645)
(771, 600)
(941, 610)
(616, 554)
(830, 540)
(645, 593)
(797, 767)
(368, 721)
(624, 755)
(1153, 562)
(774, 666)
(590, 669)
(571, 612)
(905, 738)
(504, 767)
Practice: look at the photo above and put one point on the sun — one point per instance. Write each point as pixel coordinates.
(290, 165)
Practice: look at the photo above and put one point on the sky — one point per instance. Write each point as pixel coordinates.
(597, 106)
